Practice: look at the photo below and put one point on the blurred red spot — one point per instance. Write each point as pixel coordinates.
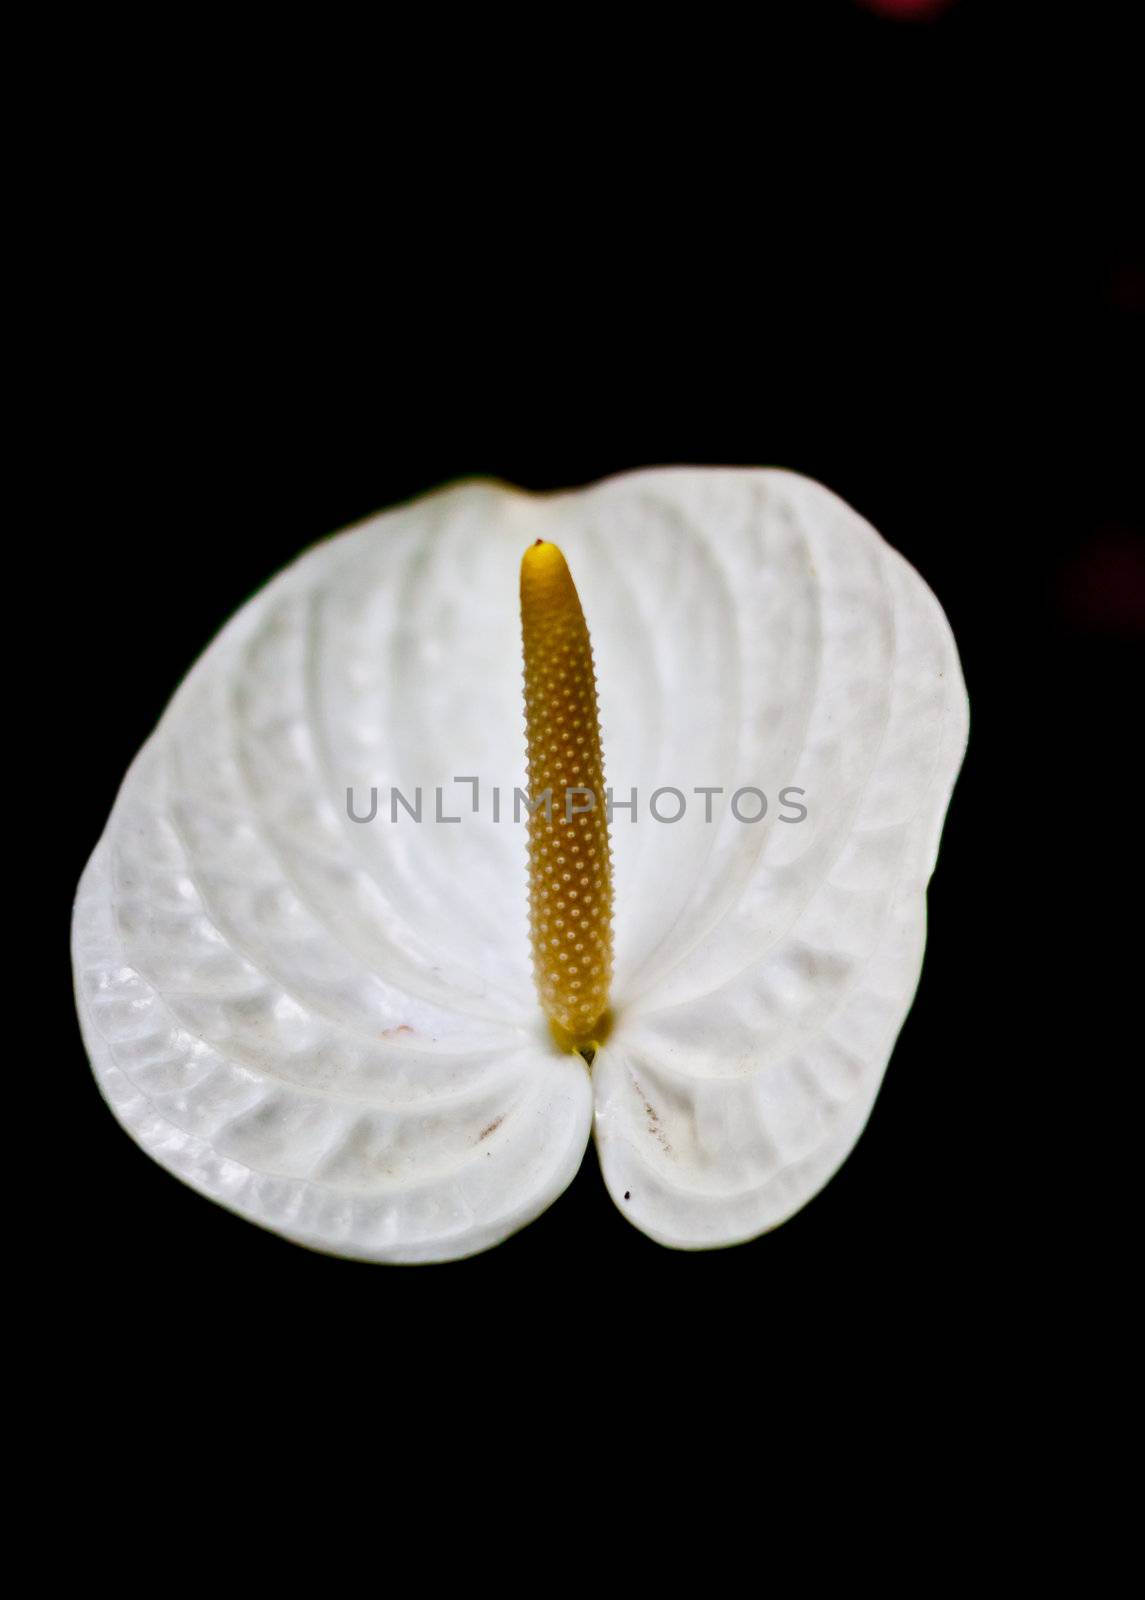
(1127, 287)
(1103, 587)
(906, 10)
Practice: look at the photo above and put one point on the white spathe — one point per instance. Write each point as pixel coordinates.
(330, 1027)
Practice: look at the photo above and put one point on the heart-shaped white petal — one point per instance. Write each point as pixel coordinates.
(330, 1027)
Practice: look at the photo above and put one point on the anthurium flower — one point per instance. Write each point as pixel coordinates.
(324, 950)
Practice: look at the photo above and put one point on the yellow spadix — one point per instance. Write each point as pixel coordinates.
(570, 866)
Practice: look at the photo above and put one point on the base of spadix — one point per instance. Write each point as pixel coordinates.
(586, 1044)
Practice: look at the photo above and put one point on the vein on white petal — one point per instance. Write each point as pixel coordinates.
(751, 948)
(651, 1086)
(389, 1001)
(310, 1210)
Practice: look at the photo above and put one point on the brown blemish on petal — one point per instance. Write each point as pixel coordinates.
(653, 1120)
(492, 1128)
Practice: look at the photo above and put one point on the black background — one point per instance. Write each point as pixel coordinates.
(897, 257)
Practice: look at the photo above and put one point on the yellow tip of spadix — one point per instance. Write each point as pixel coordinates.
(544, 571)
(540, 552)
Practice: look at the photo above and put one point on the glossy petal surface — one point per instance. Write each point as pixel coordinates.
(330, 1026)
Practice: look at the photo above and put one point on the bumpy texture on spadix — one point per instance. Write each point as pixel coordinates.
(330, 1025)
(570, 868)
